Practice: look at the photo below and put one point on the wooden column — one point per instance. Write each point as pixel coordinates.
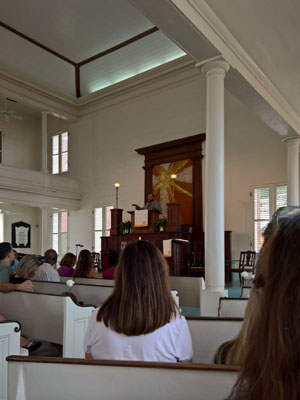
(116, 219)
(173, 217)
(148, 182)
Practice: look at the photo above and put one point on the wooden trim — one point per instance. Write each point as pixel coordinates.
(139, 364)
(173, 143)
(233, 298)
(231, 319)
(118, 46)
(76, 283)
(77, 81)
(40, 45)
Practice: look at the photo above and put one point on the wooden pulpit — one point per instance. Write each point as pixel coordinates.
(173, 217)
(153, 215)
(116, 219)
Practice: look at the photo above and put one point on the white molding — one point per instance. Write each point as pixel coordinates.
(207, 22)
(38, 189)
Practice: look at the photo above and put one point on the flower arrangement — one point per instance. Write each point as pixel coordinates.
(160, 224)
(124, 227)
(247, 278)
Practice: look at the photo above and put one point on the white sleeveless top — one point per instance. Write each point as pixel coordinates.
(170, 343)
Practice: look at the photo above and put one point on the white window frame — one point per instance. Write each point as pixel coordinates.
(272, 206)
(59, 233)
(105, 211)
(60, 152)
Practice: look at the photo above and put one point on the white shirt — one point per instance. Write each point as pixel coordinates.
(170, 343)
(46, 272)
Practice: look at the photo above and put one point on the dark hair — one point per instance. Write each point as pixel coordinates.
(141, 301)
(68, 260)
(50, 256)
(113, 258)
(84, 264)
(5, 249)
(271, 367)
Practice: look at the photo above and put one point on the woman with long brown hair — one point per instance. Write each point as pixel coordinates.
(85, 266)
(271, 366)
(140, 320)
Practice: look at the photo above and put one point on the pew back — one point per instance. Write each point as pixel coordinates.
(9, 344)
(232, 307)
(209, 333)
(52, 318)
(85, 294)
(246, 292)
(80, 379)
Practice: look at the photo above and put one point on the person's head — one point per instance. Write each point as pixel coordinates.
(68, 260)
(84, 264)
(7, 255)
(141, 301)
(50, 256)
(150, 197)
(27, 267)
(271, 367)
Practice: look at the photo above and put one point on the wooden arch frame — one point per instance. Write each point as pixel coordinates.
(176, 150)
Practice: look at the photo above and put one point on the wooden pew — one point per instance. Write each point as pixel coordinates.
(36, 378)
(232, 307)
(246, 292)
(9, 344)
(85, 294)
(209, 333)
(188, 288)
(53, 318)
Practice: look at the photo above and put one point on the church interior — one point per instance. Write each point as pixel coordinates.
(129, 92)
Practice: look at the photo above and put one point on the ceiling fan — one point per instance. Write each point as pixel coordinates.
(11, 114)
(10, 212)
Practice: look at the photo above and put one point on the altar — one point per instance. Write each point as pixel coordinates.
(181, 201)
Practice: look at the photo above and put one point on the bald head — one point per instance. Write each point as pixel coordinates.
(50, 256)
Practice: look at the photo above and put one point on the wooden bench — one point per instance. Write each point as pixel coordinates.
(85, 294)
(209, 333)
(53, 318)
(246, 292)
(9, 344)
(232, 307)
(36, 378)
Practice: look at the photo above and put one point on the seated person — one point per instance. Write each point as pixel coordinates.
(151, 204)
(26, 269)
(85, 266)
(67, 265)
(7, 258)
(16, 262)
(270, 367)
(113, 257)
(47, 272)
(140, 320)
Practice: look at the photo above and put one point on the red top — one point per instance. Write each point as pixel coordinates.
(108, 274)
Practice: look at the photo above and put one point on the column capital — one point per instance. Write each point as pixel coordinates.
(291, 140)
(213, 67)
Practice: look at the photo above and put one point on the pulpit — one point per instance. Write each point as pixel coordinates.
(153, 215)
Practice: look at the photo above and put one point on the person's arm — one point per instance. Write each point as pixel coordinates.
(9, 287)
(94, 273)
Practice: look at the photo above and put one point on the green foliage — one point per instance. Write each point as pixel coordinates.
(160, 223)
(124, 227)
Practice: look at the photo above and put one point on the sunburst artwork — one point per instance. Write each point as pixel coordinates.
(179, 190)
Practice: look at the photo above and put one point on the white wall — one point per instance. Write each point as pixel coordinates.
(102, 151)
(30, 215)
(22, 142)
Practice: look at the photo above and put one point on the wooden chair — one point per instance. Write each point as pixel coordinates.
(246, 263)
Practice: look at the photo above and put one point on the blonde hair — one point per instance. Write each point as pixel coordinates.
(27, 267)
(232, 351)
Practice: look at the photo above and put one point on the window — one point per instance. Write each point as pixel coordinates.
(60, 153)
(102, 224)
(60, 232)
(266, 200)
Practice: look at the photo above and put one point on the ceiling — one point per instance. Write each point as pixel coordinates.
(51, 42)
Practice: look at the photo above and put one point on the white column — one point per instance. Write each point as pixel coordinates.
(44, 230)
(214, 72)
(292, 170)
(44, 143)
